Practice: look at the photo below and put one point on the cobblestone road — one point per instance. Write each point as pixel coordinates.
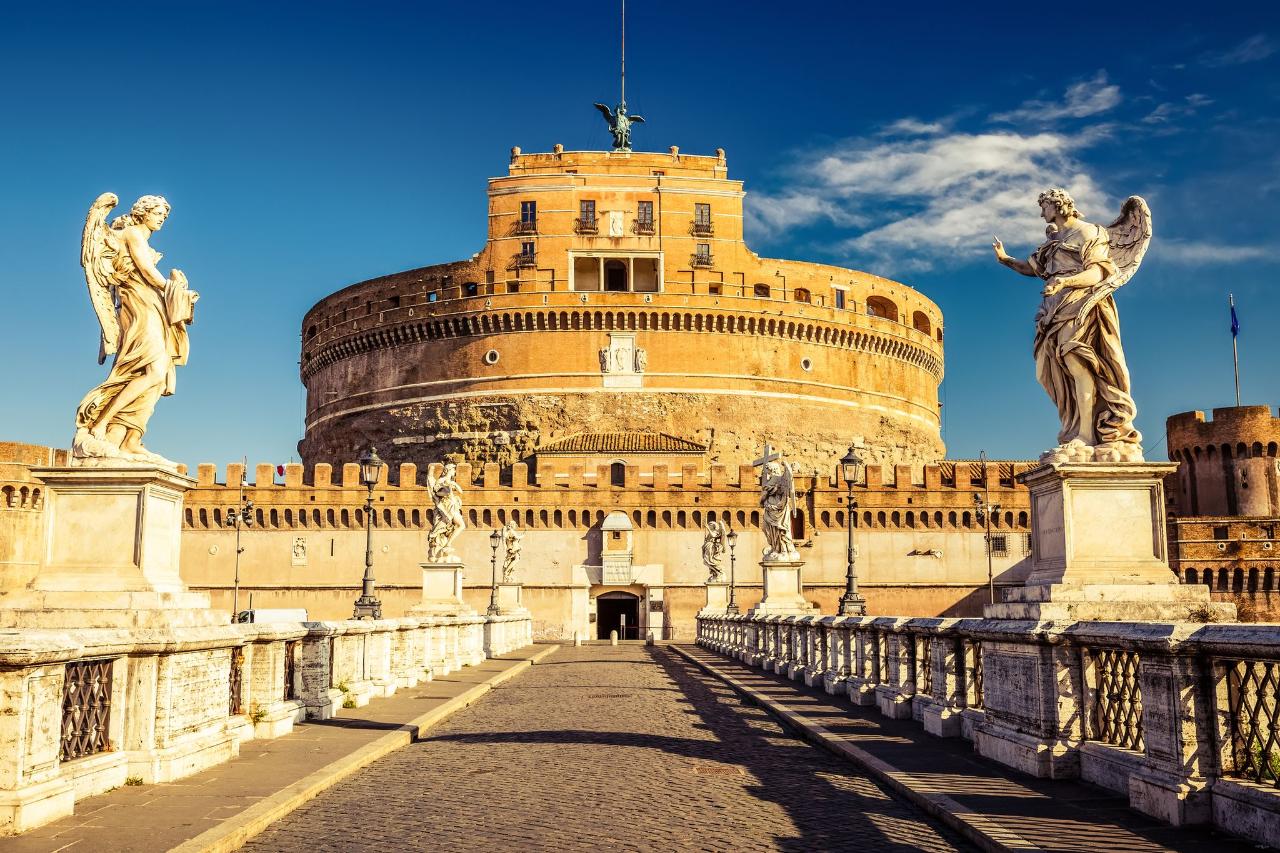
(608, 748)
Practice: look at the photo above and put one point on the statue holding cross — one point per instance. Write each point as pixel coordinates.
(777, 505)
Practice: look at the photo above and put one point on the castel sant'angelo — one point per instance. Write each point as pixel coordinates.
(614, 293)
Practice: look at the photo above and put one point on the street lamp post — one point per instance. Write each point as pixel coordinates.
(367, 605)
(495, 539)
(851, 603)
(238, 517)
(732, 537)
(982, 503)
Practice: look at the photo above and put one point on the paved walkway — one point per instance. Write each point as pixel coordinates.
(269, 777)
(608, 748)
(1015, 811)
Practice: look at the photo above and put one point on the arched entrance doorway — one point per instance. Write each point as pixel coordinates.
(615, 276)
(618, 611)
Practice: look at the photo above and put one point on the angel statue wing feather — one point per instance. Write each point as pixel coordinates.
(637, 119)
(606, 112)
(1130, 235)
(97, 254)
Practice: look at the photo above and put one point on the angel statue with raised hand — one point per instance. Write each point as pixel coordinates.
(620, 124)
(513, 539)
(446, 514)
(777, 506)
(1079, 360)
(713, 549)
(144, 318)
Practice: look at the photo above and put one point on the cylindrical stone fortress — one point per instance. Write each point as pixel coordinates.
(615, 293)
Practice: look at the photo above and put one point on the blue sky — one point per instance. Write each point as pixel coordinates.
(309, 146)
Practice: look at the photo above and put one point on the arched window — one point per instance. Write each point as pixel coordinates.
(573, 518)
(878, 306)
(557, 518)
(920, 322)
(617, 474)
(762, 291)
(800, 294)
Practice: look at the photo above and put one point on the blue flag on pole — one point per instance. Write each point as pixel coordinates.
(1235, 322)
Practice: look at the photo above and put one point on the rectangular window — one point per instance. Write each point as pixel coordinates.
(644, 212)
(513, 287)
(488, 277)
(1220, 531)
(658, 173)
(704, 250)
(702, 214)
(528, 212)
(999, 546)
(713, 289)
(433, 296)
(526, 248)
(587, 211)
(840, 299)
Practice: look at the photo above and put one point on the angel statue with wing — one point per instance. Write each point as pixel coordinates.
(1079, 360)
(713, 549)
(619, 124)
(777, 506)
(144, 318)
(446, 518)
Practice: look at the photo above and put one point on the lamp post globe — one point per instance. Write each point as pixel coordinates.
(852, 468)
(367, 605)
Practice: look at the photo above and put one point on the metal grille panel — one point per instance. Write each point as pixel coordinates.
(1116, 712)
(86, 709)
(290, 667)
(926, 665)
(1253, 697)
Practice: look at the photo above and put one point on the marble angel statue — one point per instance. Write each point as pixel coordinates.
(1079, 359)
(713, 549)
(446, 514)
(143, 318)
(513, 540)
(777, 506)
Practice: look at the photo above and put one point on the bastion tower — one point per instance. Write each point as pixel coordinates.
(615, 295)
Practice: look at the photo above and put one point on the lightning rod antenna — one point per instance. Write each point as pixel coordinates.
(624, 52)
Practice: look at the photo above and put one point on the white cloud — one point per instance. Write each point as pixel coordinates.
(919, 203)
(1253, 49)
(913, 127)
(1193, 253)
(1166, 112)
(1081, 100)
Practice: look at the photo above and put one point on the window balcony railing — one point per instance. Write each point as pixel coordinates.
(643, 227)
(526, 259)
(700, 260)
(702, 229)
(585, 225)
(526, 226)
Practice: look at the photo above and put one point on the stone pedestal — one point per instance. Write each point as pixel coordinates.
(717, 599)
(783, 590)
(441, 591)
(511, 599)
(113, 539)
(1099, 551)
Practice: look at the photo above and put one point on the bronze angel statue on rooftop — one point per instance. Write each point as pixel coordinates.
(620, 124)
(143, 318)
(1079, 360)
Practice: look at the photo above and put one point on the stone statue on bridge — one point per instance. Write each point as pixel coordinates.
(513, 539)
(446, 518)
(143, 318)
(713, 550)
(777, 505)
(1079, 360)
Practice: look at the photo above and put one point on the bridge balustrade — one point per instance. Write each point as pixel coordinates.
(1184, 718)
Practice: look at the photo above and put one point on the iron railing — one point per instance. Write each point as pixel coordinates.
(526, 259)
(969, 671)
(86, 709)
(526, 226)
(702, 229)
(1253, 710)
(290, 669)
(586, 225)
(235, 682)
(700, 260)
(643, 227)
(1115, 712)
(925, 657)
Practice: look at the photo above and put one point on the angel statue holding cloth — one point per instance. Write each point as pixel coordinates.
(144, 318)
(1079, 360)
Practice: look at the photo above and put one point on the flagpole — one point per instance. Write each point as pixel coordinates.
(1235, 348)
